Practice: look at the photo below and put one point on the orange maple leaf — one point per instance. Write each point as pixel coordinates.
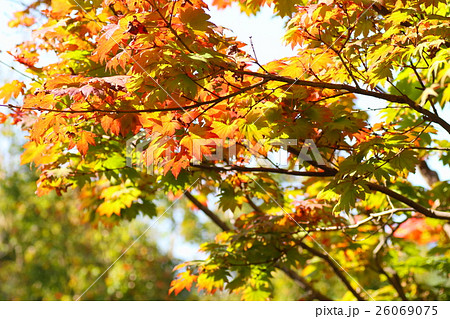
(86, 138)
(184, 280)
(3, 118)
(12, 89)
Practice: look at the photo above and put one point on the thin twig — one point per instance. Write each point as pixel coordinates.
(255, 57)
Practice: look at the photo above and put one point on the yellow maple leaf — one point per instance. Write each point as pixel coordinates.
(12, 89)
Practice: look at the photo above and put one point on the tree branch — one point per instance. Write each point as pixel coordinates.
(253, 205)
(304, 284)
(175, 33)
(207, 212)
(183, 108)
(335, 268)
(362, 222)
(262, 169)
(389, 272)
(419, 208)
(403, 99)
(329, 172)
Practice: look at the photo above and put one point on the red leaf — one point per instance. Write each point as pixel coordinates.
(417, 230)
(3, 118)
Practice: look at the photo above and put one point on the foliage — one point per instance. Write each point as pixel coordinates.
(161, 68)
(47, 252)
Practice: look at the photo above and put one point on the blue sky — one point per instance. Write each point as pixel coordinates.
(265, 29)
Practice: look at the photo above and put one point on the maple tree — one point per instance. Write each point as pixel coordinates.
(346, 211)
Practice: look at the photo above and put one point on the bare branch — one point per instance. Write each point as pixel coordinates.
(362, 222)
(255, 57)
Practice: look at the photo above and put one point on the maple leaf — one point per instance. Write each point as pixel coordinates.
(135, 27)
(21, 18)
(221, 4)
(86, 138)
(87, 86)
(41, 127)
(12, 89)
(120, 59)
(195, 18)
(26, 58)
(184, 280)
(200, 131)
(110, 41)
(50, 28)
(109, 122)
(179, 164)
(40, 100)
(116, 82)
(64, 80)
(224, 130)
(39, 154)
(212, 283)
(3, 118)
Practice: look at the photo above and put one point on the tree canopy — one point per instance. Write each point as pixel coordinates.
(149, 100)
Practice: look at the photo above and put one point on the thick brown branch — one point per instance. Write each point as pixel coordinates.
(328, 85)
(253, 205)
(419, 208)
(263, 170)
(403, 99)
(430, 176)
(329, 172)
